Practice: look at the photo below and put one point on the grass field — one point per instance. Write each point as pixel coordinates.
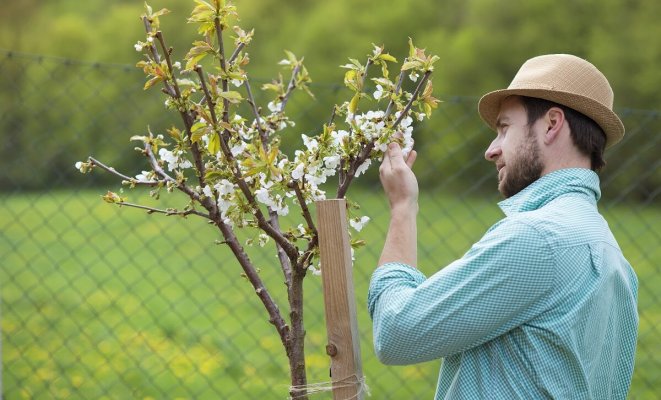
(100, 302)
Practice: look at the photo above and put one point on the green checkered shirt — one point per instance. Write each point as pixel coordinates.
(543, 306)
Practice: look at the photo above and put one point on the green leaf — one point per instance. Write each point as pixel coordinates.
(411, 48)
(197, 135)
(353, 105)
(139, 138)
(152, 82)
(232, 96)
(214, 144)
(387, 57)
(213, 175)
(411, 65)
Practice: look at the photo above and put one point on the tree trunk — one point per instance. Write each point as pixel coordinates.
(296, 339)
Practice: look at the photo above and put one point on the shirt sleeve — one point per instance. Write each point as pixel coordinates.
(497, 285)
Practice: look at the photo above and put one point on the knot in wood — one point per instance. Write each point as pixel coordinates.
(331, 350)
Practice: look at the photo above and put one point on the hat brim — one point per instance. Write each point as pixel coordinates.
(489, 107)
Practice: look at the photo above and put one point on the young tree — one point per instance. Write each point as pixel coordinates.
(230, 166)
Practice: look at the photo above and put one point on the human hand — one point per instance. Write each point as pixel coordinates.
(398, 180)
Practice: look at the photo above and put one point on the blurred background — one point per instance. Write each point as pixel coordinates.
(101, 302)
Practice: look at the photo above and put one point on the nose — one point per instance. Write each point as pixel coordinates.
(493, 151)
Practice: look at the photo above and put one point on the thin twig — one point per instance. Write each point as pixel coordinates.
(251, 101)
(113, 171)
(236, 52)
(414, 97)
(168, 60)
(167, 212)
(290, 87)
(304, 207)
(223, 67)
(400, 78)
(173, 91)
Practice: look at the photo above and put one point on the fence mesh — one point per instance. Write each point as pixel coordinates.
(102, 302)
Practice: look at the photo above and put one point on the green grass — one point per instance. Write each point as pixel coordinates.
(101, 302)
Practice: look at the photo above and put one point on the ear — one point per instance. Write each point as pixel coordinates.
(554, 121)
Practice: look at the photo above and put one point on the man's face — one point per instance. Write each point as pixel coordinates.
(515, 150)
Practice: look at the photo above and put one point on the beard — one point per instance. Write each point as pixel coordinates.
(524, 169)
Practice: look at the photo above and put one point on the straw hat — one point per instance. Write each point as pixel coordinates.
(566, 80)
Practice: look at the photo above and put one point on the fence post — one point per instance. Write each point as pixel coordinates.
(339, 300)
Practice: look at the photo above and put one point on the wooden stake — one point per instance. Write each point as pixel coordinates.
(339, 299)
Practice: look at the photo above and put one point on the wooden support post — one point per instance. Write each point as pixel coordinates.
(340, 303)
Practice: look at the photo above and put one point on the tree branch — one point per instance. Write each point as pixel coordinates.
(251, 101)
(400, 78)
(167, 212)
(223, 67)
(275, 317)
(236, 52)
(414, 97)
(173, 91)
(290, 87)
(269, 229)
(112, 170)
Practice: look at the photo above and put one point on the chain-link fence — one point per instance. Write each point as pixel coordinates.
(101, 302)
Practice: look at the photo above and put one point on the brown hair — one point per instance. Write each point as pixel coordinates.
(586, 135)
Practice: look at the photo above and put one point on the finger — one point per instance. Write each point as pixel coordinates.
(410, 160)
(395, 153)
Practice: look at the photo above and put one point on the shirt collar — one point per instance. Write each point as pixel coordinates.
(551, 186)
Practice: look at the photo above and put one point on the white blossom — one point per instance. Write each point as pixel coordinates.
(414, 76)
(298, 172)
(315, 271)
(207, 191)
(150, 39)
(406, 122)
(284, 61)
(237, 82)
(332, 162)
(177, 65)
(274, 107)
(143, 176)
(379, 92)
(138, 46)
(375, 114)
(310, 143)
(358, 223)
(338, 136)
(263, 239)
(225, 187)
(421, 116)
(80, 166)
(238, 148)
(173, 159)
(363, 167)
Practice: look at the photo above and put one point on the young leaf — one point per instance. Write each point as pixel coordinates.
(232, 96)
(353, 105)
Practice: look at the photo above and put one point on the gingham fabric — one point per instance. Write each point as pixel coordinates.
(543, 306)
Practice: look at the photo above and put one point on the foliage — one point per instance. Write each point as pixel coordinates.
(230, 166)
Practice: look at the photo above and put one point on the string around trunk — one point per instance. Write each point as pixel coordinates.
(323, 387)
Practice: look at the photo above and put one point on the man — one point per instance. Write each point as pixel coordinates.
(544, 305)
